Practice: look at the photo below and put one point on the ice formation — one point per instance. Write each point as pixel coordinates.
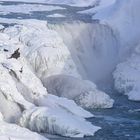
(122, 16)
(77, 3)
(36, 62)
(95, 57)
(127, 79)
(51, 57)
(15, 132)
(83, 92)
(22, 90)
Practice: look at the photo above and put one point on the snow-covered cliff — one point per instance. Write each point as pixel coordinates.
(124, 19)
(31, 53)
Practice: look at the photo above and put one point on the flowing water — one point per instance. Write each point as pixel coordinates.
(122, 122)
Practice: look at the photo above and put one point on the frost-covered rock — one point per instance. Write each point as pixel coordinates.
(85, 93)
(15, 132)
(57, 121)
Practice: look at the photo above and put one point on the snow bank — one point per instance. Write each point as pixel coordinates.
(57, 121)
(77, 3)
(56, 16)
(123, 18)
(49, 56)
(39, 41)
(100, 4)
(26, 8)
(85, 93)
(14, 132)
(127, 76)
(69, 105)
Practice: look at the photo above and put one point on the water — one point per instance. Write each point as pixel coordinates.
(122, 122)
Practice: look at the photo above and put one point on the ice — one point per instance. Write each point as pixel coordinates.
(40, 40)
(27, 8)
(57, 121)
(95, 56)
(15, 132)
(85, 93)
(68, 105)
(56, 15)
(123, 18)
(77, 3)
(127, 79)
(22, 90)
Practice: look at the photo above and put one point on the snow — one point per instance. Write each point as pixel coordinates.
(57, 121)
(95, 57)
(85, 93)
(26, 8)
(1, 27)
(127, 79)
(22, 90)
(68, 105)
(44, 88)
(58, 59)
(121, 16)
(100, 4)
(56, 16)
(15, 132)
(77, 3)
